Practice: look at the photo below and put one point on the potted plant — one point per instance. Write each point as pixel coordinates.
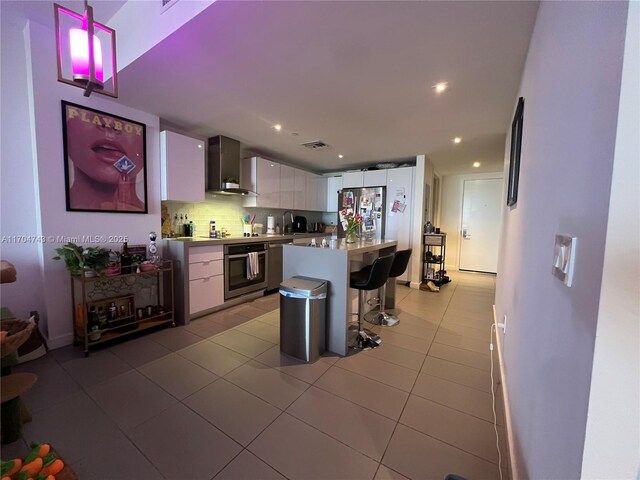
(351, 224)
(113, 267)
(136, 260)
(90, 261)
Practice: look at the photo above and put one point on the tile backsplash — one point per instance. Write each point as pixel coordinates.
(227, 211)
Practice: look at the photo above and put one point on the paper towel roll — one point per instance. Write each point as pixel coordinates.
(271, 224)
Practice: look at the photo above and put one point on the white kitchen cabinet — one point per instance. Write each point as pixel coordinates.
(352, 179)
(182, 161)
(287, 182)
(400, 188)
(205, 293)
(321, 194)
(263, 177)
(311, 193)
(299, 189)
(334, 184)
(206, 278)
(375, 178)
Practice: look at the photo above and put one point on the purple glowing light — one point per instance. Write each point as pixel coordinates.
(79, 47)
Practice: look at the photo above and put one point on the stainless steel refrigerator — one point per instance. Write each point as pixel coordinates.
(369, 202)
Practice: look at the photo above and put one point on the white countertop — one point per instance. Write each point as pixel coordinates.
(201, 241)
(359, 247)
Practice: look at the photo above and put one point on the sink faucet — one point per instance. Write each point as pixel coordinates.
(283, 223)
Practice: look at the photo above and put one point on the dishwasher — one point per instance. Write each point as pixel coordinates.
(275, 265)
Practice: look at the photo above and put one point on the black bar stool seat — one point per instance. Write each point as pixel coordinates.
(369, 278)
(398, 267)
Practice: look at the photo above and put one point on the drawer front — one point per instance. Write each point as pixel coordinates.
(205, 293)
(206, 269)
(205, 253)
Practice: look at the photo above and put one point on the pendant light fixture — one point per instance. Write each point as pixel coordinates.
(90, 65)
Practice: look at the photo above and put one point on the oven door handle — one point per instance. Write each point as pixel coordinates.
(244, 255)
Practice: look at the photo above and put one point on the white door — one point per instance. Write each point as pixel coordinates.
(480, 225)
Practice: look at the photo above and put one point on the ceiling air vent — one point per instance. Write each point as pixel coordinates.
(315, 145)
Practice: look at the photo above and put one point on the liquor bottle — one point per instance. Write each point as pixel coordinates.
(113, 311)
(174, 226)
(102, 317)
(92, 318)
(185, 226)
(212, 229)
(93, 325)
(125, 259)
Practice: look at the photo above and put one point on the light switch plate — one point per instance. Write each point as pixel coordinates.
(564, 257)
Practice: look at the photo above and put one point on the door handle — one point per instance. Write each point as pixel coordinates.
(465, 233)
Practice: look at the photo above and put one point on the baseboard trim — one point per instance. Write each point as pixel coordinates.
(513, 464)
(59, 342)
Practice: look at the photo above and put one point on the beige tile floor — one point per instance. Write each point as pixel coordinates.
(216, 399)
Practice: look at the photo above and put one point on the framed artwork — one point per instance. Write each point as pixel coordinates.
(514, 159)
(105, 161)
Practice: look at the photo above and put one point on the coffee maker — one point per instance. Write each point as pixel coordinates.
(299, 225)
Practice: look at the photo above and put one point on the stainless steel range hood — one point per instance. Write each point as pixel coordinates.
(224, 166)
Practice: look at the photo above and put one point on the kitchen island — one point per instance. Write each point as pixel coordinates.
(335, 264)
(206, 272)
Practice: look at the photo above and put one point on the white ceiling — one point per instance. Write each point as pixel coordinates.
(357, 75)
(41, 11)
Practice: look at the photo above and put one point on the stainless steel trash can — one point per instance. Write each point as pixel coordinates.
(303, 317)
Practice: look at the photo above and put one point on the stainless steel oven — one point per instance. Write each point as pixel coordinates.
(236, 257)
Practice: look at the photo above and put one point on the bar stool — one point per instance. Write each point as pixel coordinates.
(399, 266)
(369, 278)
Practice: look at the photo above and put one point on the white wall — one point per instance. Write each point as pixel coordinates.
(18, 197)
(571, 86)
(614, 404)
(41, 190)
(451, 212)
(145, 24)
(424, 176)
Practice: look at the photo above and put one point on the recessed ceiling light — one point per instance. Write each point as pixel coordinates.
(476, 164)
(277, 127)
(340, 156)
(457, 140)
(440, 87)
(199, 146)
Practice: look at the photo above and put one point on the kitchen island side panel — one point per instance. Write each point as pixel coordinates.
(332, 266)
